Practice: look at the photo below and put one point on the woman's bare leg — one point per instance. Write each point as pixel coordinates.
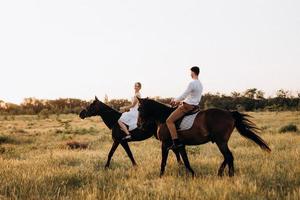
(123, 127)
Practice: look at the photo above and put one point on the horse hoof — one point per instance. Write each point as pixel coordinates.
(231, 173)
(220, 174)
(106, 167)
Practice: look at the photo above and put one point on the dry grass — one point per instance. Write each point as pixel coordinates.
(35, 163)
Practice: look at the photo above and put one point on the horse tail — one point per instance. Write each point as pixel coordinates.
(248, 129)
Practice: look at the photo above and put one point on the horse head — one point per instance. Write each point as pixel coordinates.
(146, 110)
(91, 110)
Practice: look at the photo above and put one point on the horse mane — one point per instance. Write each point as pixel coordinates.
(109, 115)
(109, 108)
(161, 110)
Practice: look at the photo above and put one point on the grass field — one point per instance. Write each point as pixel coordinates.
(35, 163)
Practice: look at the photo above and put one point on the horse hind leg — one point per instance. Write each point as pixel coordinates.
(228, 159)
(222, 167)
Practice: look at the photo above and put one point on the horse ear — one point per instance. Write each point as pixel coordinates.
(96, 98)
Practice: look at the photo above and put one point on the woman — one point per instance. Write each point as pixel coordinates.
(130, 118)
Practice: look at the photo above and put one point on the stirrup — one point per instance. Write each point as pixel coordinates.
(175, 146)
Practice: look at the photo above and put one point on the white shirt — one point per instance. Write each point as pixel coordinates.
(192, 95)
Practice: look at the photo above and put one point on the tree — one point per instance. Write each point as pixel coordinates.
(235, 94)
(118, 103)
(260, 94)
(250, 93)
(106, 99)
(2, 104)
(282, 93)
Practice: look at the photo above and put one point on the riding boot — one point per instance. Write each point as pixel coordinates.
(176, 145)
(127, 138)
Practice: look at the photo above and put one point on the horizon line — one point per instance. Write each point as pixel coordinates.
(291, 93)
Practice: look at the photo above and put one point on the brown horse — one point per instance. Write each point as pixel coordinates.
(212, 125)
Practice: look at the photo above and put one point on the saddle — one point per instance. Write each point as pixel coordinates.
(195, 110)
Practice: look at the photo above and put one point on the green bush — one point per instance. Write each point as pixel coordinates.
(5, 139)
(44, 114)
(288, 128)
(12, 139)
(83, 131)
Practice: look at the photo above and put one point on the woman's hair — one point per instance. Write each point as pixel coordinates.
(196, 70)
(139, 84)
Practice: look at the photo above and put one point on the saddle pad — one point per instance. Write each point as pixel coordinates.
(187, 122)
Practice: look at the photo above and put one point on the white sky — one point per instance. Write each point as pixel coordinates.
(71, 48)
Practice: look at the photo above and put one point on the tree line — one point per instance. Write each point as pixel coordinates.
(250, 100)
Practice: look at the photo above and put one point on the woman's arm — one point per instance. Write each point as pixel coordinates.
(135, 101)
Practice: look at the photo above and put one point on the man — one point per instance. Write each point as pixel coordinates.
(191, 98)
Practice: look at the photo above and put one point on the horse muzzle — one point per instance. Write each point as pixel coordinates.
(83, 114)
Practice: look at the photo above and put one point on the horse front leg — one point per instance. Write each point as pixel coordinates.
(186, 160)
(111, 153)
(164, 158)
(177, 154)
(128, 151)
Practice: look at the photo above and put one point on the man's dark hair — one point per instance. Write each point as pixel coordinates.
(196, 70)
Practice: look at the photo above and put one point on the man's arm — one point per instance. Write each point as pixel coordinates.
(185, 94)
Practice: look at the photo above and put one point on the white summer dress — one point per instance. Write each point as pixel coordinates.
(130, 118)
